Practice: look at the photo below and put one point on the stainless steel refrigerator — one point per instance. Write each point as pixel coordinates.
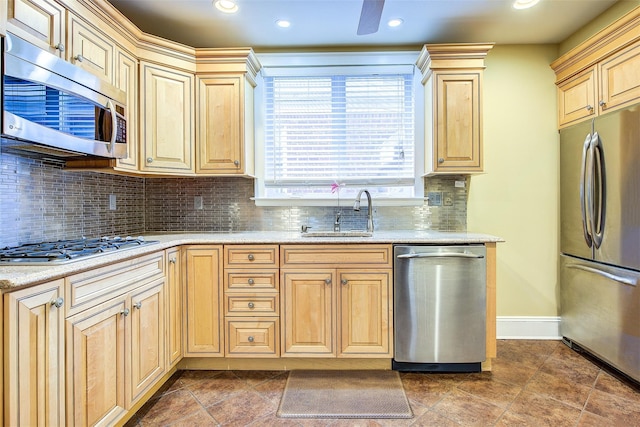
(600, 238)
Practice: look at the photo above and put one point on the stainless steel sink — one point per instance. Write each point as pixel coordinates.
(351, 233)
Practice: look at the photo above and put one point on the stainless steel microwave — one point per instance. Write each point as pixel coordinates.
(52, 108)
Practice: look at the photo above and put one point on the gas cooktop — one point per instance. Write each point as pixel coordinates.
(65, 251)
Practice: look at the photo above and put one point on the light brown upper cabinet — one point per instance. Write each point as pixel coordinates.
(41, 22)
(600, 75)
(166, 115)
(225, 120)
(91, 49)
(452, 79)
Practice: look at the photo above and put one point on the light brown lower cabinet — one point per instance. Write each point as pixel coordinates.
(336, 301)
(34, 366)
(204, 320)
(174, 306)
(116, 351)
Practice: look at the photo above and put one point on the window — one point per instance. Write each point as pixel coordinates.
(328, 131)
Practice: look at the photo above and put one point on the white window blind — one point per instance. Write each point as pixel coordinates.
(351, 123)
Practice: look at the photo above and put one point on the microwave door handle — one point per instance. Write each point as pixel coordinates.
(114, 123)
(583, 189)
(599, 188)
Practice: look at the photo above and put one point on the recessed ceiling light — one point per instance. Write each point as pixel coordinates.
(283, 23)
(226, 6)
(396, 22)
(524, 4)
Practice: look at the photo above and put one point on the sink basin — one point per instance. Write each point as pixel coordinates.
(351, 233)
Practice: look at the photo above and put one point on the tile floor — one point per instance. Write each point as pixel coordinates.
(533, 383)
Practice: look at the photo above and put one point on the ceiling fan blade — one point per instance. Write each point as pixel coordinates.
(370, 16)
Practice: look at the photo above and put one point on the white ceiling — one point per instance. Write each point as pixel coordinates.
(333, 23)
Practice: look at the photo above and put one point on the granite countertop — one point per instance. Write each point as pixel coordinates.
(25, 275)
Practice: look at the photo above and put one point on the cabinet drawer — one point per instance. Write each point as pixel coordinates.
(335, 256)
(250, 337)
(92, 287)
(251, 305)
(249, 256)
(251, 281)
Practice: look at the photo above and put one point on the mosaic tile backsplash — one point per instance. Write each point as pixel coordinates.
(41, 201)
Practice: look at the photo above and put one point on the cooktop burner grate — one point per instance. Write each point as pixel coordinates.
(62, 251)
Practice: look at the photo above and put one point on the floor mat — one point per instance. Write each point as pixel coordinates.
(344, 394)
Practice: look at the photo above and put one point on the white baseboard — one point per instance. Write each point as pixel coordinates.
(528, 327)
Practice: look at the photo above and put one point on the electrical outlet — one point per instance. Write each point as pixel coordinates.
(434, 198)
(197, 203)
(448, 200)
(112, 202)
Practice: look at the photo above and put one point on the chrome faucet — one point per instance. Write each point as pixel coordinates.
(356, 207)
(336, 224)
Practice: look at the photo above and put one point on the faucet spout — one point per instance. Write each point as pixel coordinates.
(356, 207)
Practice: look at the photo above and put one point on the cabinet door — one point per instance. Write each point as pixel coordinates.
(96, 357)
(220, 145)
(147, 338)
(34, 364)
(457, 123)
(127, 80)
(166, 117)
(620, 79)
(577, 98)
(41, 22)
(91, 49)
(204, 326)
(365, 313)
(307, 313)
(174, 307)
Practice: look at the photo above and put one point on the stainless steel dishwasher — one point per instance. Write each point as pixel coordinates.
(439, 308)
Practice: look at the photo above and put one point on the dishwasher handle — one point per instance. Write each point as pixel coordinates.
(440, 255)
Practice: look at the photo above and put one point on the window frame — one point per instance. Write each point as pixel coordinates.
(327, 63)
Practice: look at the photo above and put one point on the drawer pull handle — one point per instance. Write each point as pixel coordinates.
(602, 104)
(250, 339)
(125, 312)
(57, 302)
(251, 281)
(79, 58)
(327, 281)
(60, 47)
(590, 107)
(138, 305)
(172, 260)
(344, 281)
(251, 305)
(251, 257)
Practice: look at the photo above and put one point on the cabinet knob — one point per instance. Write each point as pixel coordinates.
(125, 312)
(57, 302)
(441, 160)
(327, 281)
(138, 305)
(236, 162)
(602, 103)
(590, 107)
(149, 160)
(251, 281)
(250, 339)
(250, 305)
(172, 260)
(251, 257)
(344, 281)
(78, 58)
(60, 47)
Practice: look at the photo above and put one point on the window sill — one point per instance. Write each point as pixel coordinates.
(345, 202)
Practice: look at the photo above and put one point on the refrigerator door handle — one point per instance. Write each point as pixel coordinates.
(624, 280)
(598, 191)
(584, 199)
